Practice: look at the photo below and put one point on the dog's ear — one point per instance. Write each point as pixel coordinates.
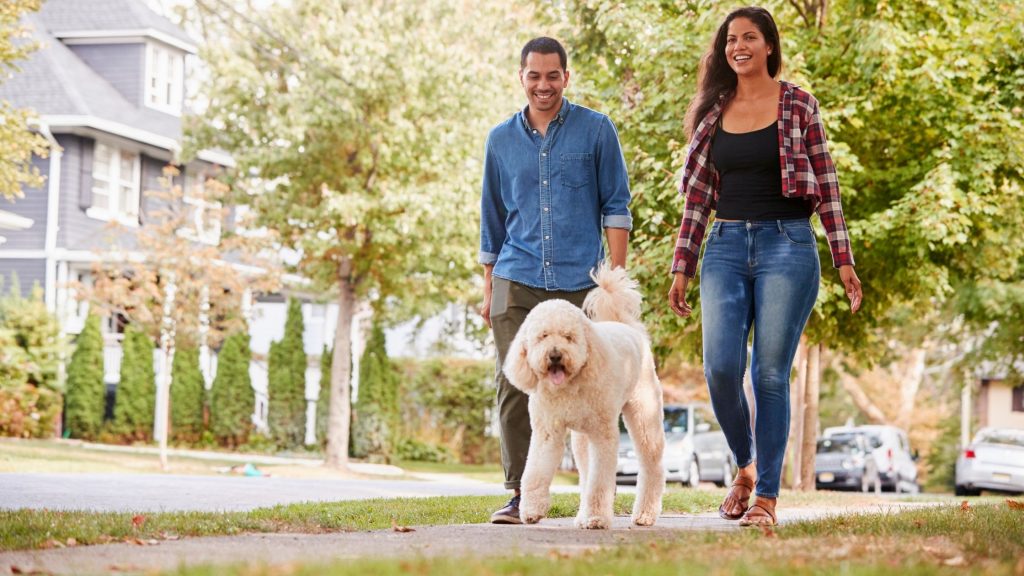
(517, 368)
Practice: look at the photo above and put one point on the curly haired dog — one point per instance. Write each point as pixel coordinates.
(580, 373)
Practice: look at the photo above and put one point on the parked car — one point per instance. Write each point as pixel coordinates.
(695, 449)
(993, 461)
(890, 448)
(846, 462)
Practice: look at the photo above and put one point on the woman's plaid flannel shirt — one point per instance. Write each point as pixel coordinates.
(807, 171)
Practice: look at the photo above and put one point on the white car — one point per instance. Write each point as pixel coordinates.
(993, 461)
(695, 449)
(895, 462)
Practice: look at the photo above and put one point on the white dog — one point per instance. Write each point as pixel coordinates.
(580, 375)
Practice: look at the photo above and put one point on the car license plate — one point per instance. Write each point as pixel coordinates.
(825, 477)
(1001, 477)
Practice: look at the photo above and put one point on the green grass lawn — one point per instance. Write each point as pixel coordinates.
(984, 540)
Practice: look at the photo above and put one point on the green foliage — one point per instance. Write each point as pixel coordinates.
(135, 401)
(85, 398)
(924, 130)
(411, 449)
(20, 144)
(941, 460)
(232, 401)
(188, 396)
(324, 396)
(35, 330)
(446, 402)
(375, 426)
(28, 411)
(286, 413)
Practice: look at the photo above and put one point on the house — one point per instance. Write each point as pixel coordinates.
(1000, 404)
(108, 87)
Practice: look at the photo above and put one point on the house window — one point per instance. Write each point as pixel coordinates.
(115, 184)
(1017, 405)
(203, 214)
(165, 79)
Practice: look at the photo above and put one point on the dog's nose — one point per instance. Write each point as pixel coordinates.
(555, 356)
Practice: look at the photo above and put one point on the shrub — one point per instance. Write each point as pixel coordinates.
(35, 330)
(232, 400)
(286, 386)
(135, 402)
(85, 398)
(323, 401)
(188, 396)
(28, 411)
(375, 426)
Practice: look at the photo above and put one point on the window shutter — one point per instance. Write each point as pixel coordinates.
(85, 170)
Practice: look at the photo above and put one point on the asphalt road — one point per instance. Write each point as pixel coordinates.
(168, 492)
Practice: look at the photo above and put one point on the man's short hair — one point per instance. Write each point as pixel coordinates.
(544, 45)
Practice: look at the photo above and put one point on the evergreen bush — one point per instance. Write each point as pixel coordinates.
(135, 400)
(323, 401)
(188, 396)
(232, 401)
(375, 429)
(286, 386)
(85, 398)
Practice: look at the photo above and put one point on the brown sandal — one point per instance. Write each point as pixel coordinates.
(766, 519)
(739, 482)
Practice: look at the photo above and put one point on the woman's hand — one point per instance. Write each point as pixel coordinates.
(852, 285)
(677, 295)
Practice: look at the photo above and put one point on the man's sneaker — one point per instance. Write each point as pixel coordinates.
(509, 514)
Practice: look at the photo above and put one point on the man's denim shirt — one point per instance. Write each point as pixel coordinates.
(546, 200)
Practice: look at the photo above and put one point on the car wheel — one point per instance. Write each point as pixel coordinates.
(694, 477)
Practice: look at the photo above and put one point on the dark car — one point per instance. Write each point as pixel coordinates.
(845, 462)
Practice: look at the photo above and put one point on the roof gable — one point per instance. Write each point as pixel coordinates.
(95, 18)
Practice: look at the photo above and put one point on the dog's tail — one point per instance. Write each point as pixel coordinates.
(616, 298)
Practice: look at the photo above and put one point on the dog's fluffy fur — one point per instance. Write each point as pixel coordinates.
(581, 372)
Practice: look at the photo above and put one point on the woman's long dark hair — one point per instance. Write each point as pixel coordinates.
(715, 78)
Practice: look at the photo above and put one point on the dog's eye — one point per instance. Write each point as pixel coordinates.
(542, 336)
(570, 338)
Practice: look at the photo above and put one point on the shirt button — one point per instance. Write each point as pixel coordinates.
(534, 131)
(547, 263)
(547, 237)
(545, 208)
(545, 182)
(543, 153)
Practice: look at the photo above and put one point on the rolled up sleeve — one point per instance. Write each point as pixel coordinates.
(612, 179)
(492, 210)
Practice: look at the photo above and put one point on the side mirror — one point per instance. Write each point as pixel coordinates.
(703, 427)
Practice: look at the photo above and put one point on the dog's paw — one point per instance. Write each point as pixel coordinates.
(532, 510)
(580, 521)
(598, 523)
(645, 519)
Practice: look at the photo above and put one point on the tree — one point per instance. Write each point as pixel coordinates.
(188, 395)
(232, 401)
(323, 399)
(364, 123)
(136, 392)
(375, 431)
(20, 143)
(85, 399)
(286, 387)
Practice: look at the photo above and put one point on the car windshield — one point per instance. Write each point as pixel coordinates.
(1011, 437)
(675, 421)
(838, 445)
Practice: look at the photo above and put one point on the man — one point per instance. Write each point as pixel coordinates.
(554, 177)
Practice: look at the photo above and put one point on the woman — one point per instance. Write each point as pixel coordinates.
(758, 158)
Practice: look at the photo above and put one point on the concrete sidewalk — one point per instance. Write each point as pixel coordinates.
(550, 536)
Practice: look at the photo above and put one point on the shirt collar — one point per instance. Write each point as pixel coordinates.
(563, 113)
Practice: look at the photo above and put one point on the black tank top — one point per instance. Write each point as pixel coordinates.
(750, 177)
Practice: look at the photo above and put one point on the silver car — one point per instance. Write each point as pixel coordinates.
(695, 449)
(993, 461)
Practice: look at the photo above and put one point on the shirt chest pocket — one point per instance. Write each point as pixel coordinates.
(577, 169)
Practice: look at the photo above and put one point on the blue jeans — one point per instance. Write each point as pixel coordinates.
(761, 275)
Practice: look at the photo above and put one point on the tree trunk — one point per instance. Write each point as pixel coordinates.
(339, 412)
(796, 412)
(809, 438)
(861, 400)
(909, 385)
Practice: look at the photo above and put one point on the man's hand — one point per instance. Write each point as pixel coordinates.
(485, 308)
(677, 295)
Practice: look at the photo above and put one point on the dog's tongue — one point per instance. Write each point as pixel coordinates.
(557, 376)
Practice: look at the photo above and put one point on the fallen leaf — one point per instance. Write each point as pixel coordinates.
(395, 527)
(955, 561)
(1015, 504)
(965, 506)
(72, 542)
(137, 521)
(918, 523)
(51, 543)
(169, 536)
(32, 571)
